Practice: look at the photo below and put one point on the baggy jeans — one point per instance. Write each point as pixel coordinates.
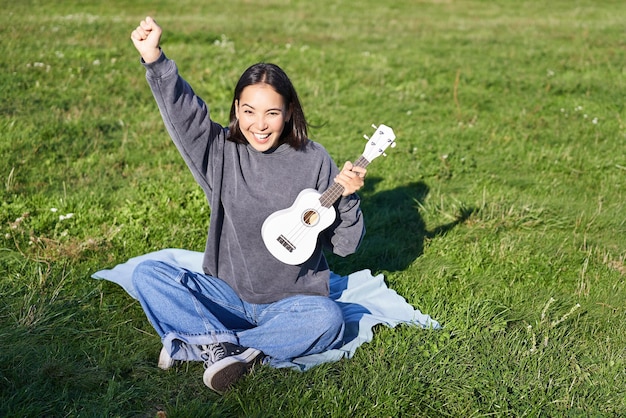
(189, 309)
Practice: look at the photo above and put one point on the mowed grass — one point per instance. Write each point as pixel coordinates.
(500, 212)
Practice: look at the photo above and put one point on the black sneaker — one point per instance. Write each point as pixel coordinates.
(226, 363)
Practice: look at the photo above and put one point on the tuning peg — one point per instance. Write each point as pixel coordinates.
(393, 145)
(366, 137)
(384, 154)
(374, 126)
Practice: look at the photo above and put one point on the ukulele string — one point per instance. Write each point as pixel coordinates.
(300, 230)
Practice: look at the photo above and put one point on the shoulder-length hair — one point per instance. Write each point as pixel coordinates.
(295, 131)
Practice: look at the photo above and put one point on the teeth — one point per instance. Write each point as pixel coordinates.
(259, 136)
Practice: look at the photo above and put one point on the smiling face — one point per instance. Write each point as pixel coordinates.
(262, 116)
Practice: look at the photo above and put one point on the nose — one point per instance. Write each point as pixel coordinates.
(261, 123)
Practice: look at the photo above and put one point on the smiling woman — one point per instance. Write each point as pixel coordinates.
(247, 306)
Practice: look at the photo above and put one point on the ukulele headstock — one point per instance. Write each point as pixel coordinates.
(382, 138)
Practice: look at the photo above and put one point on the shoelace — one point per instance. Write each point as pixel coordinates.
(212, 353)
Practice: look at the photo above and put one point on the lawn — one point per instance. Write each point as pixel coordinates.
(500, 213)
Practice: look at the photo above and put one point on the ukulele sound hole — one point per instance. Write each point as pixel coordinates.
(310, 217)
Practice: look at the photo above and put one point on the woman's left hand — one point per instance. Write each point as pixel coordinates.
(351, 178)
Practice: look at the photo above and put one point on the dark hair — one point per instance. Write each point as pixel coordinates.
(295, 132)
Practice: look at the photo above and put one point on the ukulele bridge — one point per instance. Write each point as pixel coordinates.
(285, 243)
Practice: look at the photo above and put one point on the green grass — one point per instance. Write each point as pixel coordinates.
(500, 213)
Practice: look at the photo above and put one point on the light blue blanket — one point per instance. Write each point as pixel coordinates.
(365, 300)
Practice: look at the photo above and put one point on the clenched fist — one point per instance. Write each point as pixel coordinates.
(146, 38)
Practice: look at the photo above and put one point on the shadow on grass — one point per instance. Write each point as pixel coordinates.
(395, 229)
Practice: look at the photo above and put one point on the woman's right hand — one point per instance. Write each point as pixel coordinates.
(146, 38)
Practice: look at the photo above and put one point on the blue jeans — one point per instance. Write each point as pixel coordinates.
(188, 309)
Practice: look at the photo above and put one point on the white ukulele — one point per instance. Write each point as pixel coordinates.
(291, 234)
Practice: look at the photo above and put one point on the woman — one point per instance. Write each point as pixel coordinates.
(247, 306)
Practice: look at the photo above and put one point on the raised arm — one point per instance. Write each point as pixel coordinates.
(186, 116)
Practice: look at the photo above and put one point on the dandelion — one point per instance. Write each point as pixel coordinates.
(17, 222)
(67, 216)
(595, 121)
(225, 43)
(550, 73)
(96, 62)
(53, 210)
(39, 65)
(578, 108)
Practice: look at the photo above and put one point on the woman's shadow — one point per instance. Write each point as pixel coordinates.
(395, 231)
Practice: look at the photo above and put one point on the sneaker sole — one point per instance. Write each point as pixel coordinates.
(165, 361)
(221, 375)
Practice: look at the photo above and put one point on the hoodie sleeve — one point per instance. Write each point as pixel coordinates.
(185, 115)
(344, 236)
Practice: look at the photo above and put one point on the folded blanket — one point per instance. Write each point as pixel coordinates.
(365, 300)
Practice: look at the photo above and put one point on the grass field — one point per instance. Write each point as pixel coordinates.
(501, 212)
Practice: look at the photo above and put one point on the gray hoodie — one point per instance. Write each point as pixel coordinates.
(243, 186)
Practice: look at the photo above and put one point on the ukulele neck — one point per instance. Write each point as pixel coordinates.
(333, 193)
